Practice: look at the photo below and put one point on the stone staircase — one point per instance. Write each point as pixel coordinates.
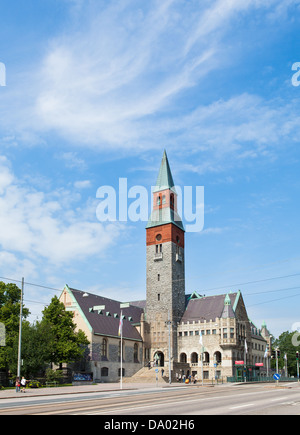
(148, 376)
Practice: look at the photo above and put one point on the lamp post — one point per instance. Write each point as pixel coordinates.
(169, 323)
(20, 332)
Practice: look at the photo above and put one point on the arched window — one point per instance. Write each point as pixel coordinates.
(194, 358)
(206, 358)
(218, 357)
(172, 199)
(183, 358)
(136, 353)
(104, 371)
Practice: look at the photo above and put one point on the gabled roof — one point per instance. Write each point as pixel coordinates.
(209, 308)
(164, 179)
(103, 314)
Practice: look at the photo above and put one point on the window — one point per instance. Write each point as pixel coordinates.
(158, 200)
(231, 332)
(123, 372)
(224, 332)
(158, 249)
(136, 353)
(158, 297)
(158, 277)
(104, 371)
(214, 331)
(104, 348)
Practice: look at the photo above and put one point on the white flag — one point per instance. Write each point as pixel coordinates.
(266, 353)
(246, 348)
(201, 339)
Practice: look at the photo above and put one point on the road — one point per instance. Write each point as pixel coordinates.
(190, 401)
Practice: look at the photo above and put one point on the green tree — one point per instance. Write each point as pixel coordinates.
(37, 342)
(286, 345)
(10, 298)
(68, 345)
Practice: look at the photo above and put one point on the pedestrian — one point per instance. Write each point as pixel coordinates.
(18, 385)
(23, 384)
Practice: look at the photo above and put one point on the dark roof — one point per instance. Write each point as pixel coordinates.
(206, 308)
(106, 321)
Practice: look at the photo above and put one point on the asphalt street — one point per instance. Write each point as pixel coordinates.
(258, 399)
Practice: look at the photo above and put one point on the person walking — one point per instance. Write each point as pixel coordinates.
(17, 385)
(23, 384)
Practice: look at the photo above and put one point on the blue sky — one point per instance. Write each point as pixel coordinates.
(96, 90)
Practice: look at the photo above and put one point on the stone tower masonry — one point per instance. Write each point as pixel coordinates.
(165, 268)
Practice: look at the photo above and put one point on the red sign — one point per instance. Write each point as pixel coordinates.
(259, 364)
(239, 363)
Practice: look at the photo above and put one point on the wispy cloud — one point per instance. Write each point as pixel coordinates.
(48, 226)
(117, 77)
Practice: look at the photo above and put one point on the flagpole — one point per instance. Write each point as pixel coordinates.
(121, 383)
(245, 361)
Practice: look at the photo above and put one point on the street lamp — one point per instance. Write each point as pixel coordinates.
(169, 323)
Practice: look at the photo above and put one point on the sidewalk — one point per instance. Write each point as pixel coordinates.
(96, 388)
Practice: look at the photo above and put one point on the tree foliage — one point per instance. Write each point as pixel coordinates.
(288, 344)
(68, 344)
(52, 340)
(10, 298)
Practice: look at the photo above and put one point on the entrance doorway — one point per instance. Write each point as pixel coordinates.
(159, 359)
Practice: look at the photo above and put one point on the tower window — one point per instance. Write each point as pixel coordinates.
(158, 249)
(158, 297)
(158, 277)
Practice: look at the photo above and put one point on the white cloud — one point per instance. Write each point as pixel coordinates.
(120, 65)
(85, 184)
(38, 225)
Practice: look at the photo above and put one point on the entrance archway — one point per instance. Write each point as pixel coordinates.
(159, 359)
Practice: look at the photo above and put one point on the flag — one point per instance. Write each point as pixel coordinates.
(285, 356)
(246, 348)
(120, 325)
(201, 339)
(266, 353)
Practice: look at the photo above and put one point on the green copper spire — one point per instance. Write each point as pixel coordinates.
(164, 179)
(168, 214)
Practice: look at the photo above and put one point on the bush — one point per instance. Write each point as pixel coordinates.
(34, 384)
(54, 375)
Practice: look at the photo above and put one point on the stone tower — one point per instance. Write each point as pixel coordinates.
(165, 267)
